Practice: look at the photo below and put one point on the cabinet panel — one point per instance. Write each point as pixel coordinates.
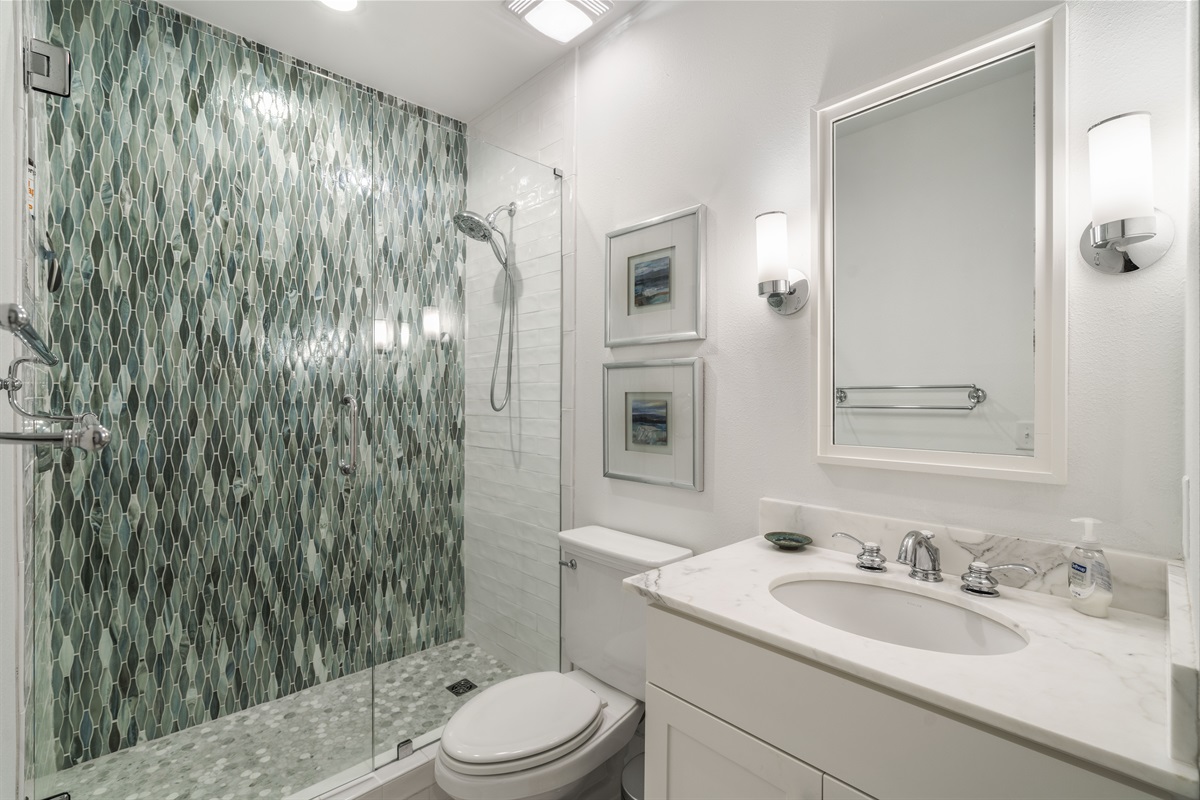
(691, 755)
(833, 789)
(883, 743)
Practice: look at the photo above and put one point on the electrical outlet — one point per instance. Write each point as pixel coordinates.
(1024, 435)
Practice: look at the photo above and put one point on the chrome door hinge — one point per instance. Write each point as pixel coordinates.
(48, 68)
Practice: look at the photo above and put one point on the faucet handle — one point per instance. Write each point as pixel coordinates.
(978, 580)
(870, 557)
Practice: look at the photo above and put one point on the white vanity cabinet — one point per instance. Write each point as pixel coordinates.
(700, 757)
(731, 718)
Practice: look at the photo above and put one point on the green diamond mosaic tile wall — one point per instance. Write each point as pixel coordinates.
(232, 225)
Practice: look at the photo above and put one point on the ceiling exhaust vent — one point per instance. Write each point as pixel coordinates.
(561, 20)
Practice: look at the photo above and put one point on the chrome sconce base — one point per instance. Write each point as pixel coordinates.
(1127, 245)
(785, 297)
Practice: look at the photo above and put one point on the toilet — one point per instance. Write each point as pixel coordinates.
(549, 735)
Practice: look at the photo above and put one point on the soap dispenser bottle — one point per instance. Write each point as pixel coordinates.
(1089, 578)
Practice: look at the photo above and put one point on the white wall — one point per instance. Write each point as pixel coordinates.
(709, 102)
(512, 504)
(919, 185)
(1191, 428)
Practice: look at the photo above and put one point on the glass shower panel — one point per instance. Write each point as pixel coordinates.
(512, 506)
(467, 503)
(198, 591)
(417, 419)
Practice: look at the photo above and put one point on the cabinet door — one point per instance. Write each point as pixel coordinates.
(836, 790)
(692, 755)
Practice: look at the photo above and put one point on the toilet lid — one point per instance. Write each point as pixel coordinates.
(521, 717)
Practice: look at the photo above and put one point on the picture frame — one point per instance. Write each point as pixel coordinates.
(654, 422)
(654, 280)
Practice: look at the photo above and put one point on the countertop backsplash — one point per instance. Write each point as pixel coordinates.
(1139, 582)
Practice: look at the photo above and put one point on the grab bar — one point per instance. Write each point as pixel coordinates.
(975, 396)
(15, 318)
(351, 466)
(89, 435)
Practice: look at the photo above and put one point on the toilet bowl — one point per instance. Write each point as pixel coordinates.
(552, 736)
(536, 737)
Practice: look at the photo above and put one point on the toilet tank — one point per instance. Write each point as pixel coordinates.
(603, 625)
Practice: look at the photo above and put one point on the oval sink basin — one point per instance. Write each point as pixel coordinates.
(898, 617)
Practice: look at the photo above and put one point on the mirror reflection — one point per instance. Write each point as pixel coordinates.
(934, 266)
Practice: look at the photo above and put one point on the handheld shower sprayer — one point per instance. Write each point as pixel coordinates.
(483, 229)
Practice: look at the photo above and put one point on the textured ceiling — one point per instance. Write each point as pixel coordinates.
(457, 57)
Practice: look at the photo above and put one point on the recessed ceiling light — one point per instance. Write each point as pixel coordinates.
(341, 5)
(561, 20)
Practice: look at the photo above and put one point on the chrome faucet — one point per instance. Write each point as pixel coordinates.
(926, 568)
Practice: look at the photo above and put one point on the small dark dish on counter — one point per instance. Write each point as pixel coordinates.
(787, 541)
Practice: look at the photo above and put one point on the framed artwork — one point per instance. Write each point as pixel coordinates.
(653, 422)
(654, 287)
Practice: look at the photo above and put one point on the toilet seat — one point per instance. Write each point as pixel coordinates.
(516, 765)
(521, 723)
(562, 772)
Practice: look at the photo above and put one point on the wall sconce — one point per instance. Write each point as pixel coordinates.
(1127, 232)
(786, 289)
(385, 336)
(431, 323)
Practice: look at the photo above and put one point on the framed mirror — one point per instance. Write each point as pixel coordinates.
(939, 230)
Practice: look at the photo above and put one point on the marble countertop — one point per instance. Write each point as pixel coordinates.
(1096, 689)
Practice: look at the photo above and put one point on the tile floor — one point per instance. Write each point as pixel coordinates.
(279, 748)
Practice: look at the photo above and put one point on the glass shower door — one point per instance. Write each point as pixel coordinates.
(198, 593)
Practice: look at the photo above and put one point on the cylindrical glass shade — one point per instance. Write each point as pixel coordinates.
(385, 336)
(431, 322)
(772, 246)
(1121, 165)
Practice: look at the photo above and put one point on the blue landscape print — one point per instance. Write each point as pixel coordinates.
(652, 282)
(648, 422)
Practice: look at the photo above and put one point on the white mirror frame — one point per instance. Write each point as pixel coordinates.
(1046, 34)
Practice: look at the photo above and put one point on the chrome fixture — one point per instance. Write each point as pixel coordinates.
(916, 544)
(561, 20)
(86, 432)
(48, 68)
(870, 558)
(1127, 232)
(786, 289)
(349, 465)
(568, 564)
(15, 319)
(87, 435)
(483, 229)
(975, 396)
(978, 580)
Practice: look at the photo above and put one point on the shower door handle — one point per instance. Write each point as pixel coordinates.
(350, 466)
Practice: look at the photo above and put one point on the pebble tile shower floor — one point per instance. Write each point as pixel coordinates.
(281, 747)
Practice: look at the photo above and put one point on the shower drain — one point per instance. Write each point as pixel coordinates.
(461, 687)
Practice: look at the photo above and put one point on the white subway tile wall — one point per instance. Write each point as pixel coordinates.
(517, 499)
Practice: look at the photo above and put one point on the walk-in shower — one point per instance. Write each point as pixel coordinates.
(213, 607)
(483, 229)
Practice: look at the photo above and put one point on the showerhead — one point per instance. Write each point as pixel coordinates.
(473, 225)
(483, 229)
